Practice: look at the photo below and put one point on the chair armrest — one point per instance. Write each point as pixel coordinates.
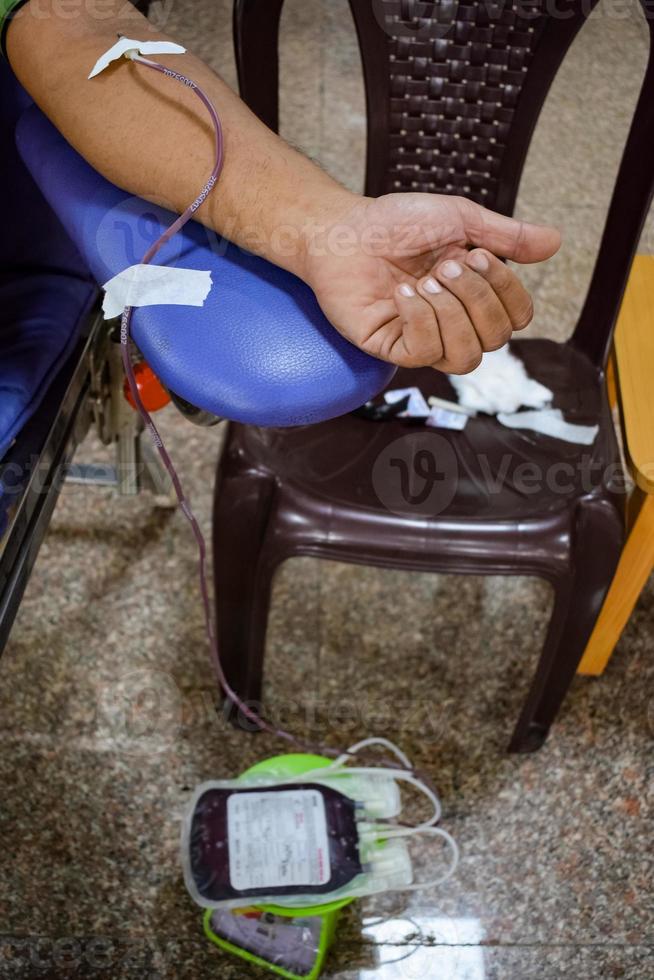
(634, 352)
(260, 350)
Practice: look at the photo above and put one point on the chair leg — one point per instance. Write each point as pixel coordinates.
(611, 380)
(596, 547)
(636, 564)
(243, 576)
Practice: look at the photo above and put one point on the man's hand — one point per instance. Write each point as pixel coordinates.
(394, 276)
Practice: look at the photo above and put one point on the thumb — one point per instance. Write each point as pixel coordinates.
(508, 237)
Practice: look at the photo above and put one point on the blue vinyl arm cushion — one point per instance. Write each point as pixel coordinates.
(259, 351)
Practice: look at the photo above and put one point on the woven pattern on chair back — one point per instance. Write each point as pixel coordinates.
(454, 88)
(456, 73)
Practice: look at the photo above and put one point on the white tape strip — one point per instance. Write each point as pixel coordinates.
(417, 407)
(550, 422)
(128, 47)
(500, 384)
(442, 418)
(155, 285)
(449, 406)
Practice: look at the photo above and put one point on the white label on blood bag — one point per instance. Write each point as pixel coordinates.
(277, 839)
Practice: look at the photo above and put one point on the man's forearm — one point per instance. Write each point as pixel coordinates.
(394, 275)
(153, 138)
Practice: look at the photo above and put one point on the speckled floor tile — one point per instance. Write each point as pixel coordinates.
(109, 714)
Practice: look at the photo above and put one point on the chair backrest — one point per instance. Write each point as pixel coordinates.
(454, 89)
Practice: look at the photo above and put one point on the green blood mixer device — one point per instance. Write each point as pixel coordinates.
(275, 855)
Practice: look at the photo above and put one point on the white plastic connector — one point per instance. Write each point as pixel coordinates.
(128, 47)
(379, 793)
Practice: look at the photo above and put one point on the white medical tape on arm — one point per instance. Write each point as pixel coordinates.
(127, 47)
(154, 285)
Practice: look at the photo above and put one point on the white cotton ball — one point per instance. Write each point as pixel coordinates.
(499, 384)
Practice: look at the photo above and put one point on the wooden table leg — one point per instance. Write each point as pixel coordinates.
(636, 564)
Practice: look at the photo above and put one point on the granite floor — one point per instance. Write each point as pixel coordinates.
(556, 872)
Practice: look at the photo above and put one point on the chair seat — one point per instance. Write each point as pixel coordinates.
(485, 474)
(40, 317)
(258, 351)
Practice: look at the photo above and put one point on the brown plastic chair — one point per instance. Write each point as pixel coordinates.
(463, 84)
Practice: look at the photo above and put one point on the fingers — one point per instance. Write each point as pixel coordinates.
(506, 285)
(513, 239)
(419, 343)
(485, 310)
(464, 308)
(462, 350)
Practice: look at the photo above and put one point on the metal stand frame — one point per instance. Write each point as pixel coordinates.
(87, 392)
